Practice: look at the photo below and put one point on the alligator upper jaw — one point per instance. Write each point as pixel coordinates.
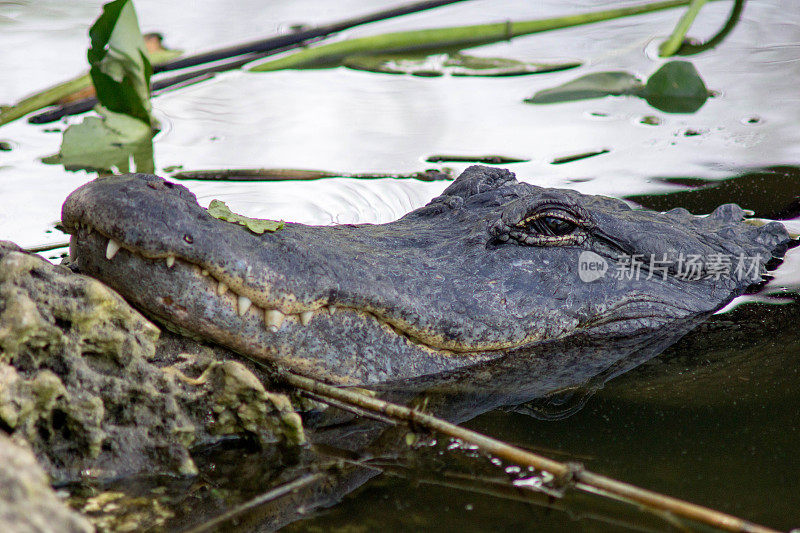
(326, 341)
(293, 275)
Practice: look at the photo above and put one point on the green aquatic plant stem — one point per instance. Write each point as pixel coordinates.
(43, 99)
(670, 46)
(569, 475)
(55, 93)
(443, 39)
(691, 48)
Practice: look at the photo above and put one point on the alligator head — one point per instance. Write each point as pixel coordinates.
(491, 266)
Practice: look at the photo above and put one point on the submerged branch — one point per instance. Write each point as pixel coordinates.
(278, 492)
(286, 174)
(568, 474)
(299, 37)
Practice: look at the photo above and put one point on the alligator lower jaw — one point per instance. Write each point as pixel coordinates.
(195, 303)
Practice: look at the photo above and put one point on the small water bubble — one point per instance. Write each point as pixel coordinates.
(534, 482)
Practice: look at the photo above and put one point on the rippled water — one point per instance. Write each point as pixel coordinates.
(715, 419)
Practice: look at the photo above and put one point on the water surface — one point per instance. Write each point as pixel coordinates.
(714, 419)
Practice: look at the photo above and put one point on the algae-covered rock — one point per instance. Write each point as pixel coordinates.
(27, 503)
(91, 385)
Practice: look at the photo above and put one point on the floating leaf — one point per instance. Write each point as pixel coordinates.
(106, 143)
(676, 88)
(120, 69)
(595, 85)
(218, 209)
(453, 64)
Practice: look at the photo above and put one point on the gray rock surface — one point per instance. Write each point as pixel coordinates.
(27, 503)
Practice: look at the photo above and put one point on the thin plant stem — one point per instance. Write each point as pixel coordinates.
(673, 43)
(442, 39)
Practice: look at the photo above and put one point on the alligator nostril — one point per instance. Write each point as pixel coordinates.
(188, 239)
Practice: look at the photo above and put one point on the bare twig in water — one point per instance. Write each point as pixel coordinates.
(47, 247)
(567, 474)
(261, 499)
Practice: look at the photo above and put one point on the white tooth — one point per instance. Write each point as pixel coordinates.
(221, 288)
(112, 249)
(305, 317)
(274, 319)
(243, 304)
(73, 254)
(170, 261)
(332, 309)
(204, 272)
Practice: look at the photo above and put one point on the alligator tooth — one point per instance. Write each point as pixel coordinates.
(274, 319)
(112, 249)
(243, 304)
(332, 309)
(305, 317)
(221, 288)
(170, 261)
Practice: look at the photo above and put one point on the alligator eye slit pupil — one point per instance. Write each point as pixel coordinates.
(558, 226)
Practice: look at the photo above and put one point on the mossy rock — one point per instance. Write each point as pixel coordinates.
(97, 391)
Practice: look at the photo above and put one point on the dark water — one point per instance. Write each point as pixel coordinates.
(715, 419)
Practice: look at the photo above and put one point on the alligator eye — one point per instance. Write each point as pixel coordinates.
(558, 226)
(551, 226)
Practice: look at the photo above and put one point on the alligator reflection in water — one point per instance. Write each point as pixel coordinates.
(365, 447)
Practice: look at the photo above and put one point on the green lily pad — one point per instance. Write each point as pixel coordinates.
(453, 64)
(120, 68)
(597, 85)
(106, 143)
(676, 88)
(218, 209)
